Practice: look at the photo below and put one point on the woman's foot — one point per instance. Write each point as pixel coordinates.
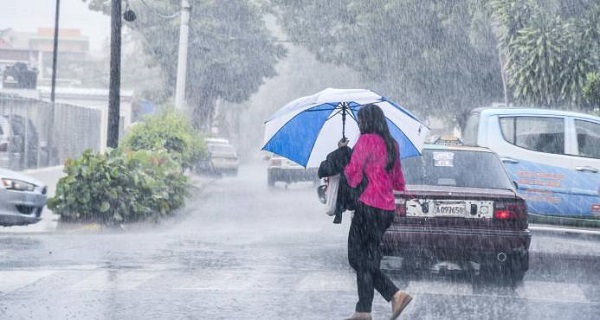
(399, 302)
(360, 316)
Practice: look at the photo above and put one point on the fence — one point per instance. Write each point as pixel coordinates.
(26, 125)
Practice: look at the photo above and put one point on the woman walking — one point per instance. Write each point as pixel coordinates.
(375, 157)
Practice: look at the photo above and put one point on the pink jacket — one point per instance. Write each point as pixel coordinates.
(370, 153)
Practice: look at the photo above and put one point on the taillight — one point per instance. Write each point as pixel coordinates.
(3, 146)
(510, 210)
(400, 207)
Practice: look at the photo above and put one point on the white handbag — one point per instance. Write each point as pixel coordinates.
(332, 193)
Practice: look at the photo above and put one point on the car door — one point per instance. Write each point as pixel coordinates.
(585, 165)
(532, 148)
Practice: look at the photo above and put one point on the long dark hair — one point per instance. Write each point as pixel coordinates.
(372, 120)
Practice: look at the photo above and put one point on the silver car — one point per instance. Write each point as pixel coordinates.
(22, 198)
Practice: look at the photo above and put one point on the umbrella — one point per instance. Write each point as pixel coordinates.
(308, 128)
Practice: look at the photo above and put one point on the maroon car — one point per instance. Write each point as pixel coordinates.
(460, 207)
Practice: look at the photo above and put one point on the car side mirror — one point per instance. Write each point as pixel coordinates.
(516, 185)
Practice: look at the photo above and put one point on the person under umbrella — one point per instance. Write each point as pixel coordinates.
(375, 157)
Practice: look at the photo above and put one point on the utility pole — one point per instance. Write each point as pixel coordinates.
(182, 55)
(50, 143)
(114, 95)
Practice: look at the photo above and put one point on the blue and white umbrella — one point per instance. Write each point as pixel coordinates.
(307, 129)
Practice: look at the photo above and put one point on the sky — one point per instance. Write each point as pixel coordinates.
(28, 15)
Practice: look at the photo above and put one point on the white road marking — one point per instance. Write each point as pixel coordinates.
(113, 280)
(551, 291)
(437, 287)
(12, 280)
(224, 280)
(328, 281)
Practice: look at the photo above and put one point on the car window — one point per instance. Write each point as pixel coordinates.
(471, 169)
(543, 134)
(588, 138)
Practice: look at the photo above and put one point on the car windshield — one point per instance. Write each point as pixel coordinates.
(459, 168)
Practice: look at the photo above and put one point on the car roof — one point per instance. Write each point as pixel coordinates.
(532, 111)
(442, 147)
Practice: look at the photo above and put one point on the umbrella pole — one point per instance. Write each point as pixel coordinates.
(344, 108)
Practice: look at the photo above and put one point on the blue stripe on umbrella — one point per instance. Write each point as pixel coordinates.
(407, 149)
(296, 138)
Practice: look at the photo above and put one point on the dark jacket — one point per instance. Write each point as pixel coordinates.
(347, 196)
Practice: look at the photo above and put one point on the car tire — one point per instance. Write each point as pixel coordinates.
(517, 265)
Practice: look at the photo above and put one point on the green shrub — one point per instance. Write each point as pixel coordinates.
(169, 130)
(120, 186)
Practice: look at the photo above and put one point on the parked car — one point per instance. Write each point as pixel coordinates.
(553, 155)
(284, 170)
(22, 198)
(18, 142)
(460, 207)
(223, 159)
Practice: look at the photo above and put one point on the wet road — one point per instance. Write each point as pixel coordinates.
(243, 251)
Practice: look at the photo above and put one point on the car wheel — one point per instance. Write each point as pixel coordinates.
(516, 267)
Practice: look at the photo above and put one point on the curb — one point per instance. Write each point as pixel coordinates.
(543, 229)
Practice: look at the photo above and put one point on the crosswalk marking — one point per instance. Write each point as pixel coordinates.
(548, 291)
(328, 281)
(225, 280)
(433, 287)
(237, 280)
(113, 280)
(13, 280)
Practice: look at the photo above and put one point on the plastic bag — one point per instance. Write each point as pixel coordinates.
(332, 193)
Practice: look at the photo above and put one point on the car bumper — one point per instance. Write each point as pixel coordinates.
(293, 175)
(20, 208)
(400, 240)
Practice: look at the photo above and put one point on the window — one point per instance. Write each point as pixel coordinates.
(588, 138)
(468, 169)
(543, 134)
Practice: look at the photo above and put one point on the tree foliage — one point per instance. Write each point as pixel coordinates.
(552, 47)
(230, 50)
(430, 56)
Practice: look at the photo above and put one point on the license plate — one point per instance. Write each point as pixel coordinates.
(445, 208)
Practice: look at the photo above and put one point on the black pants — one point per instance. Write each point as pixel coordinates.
(364, 254)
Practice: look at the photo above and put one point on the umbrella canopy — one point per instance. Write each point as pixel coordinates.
(307, 129)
